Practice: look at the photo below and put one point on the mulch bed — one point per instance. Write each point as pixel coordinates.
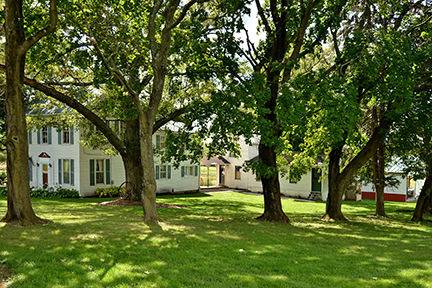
(5, 274)
(125, 202)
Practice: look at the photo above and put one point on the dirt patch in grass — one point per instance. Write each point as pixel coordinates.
(5, 274)
(125, 202)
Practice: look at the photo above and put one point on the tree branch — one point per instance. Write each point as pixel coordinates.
(261, 14)
(368, 150)
(170, 117)
(80, 108)
(184, 12)
(50, 28)
(118, 76)
(68, 83)
(151, 27)
(100, 124)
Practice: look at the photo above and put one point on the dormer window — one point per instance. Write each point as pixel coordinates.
(45, 135)
(160, 142)
(66, 136)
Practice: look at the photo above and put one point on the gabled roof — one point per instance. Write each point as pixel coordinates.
(44, 155)
(214, 161)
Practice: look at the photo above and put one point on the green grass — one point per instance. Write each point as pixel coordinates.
(214, 242)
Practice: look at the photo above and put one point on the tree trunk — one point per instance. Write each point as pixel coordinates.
(132, 160)
(336, 187)
(271, 188)
(379, 179)
(19, 203)
(423, 200)
(149, 179)
(134, 177)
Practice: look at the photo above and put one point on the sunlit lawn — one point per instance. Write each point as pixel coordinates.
(214, 242)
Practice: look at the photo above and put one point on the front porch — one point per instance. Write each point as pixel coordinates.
(213, 172)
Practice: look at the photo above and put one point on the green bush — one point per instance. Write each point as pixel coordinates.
(109, 192)
(3, 191)
(3, 177)
(58, 192)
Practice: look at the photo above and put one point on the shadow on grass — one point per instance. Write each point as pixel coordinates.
(213, 242)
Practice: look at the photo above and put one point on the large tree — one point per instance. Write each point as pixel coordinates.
(411, 138)
(374, 66)
(17, 44)
(144, 59)
(291, 31)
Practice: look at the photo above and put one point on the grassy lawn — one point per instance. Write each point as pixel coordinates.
(214, 242)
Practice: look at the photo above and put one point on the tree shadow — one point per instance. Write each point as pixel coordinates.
(213, 242)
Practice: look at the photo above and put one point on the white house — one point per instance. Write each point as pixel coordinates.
(57, 159)
(230, 173)
(312, 185)
(405, 187)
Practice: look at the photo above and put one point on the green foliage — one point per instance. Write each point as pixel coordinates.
(376, 67)
(3, 177)
(50, 193)
(410, 138)
(121, 33)
(109, 192)
(57, 192)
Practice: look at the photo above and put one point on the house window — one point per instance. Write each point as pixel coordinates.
(237, 175)
(100, 171)
(116, 126)
(160, 142)
(189, 170)
(66, 136)
(163, 171)
(66, 171)
(45, 135)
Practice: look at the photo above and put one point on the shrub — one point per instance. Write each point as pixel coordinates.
(3, 177)
(3, 191)
(58, 192)
(109, 192)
